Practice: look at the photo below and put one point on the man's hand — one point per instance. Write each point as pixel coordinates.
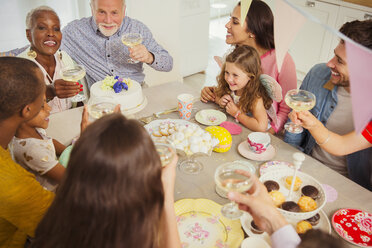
(207, 94)
(305, 119)
(65, 89)
(140, 53)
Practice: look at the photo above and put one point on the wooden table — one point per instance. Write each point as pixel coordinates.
(66, 125)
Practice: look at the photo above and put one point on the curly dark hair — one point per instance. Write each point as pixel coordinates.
(359, 31)
(248, 60)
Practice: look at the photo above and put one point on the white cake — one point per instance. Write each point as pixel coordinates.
(131, 100)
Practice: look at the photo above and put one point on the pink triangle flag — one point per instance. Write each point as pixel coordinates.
(287, 23)
(359, 62)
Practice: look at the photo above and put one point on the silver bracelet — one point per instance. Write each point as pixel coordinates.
(326, 140)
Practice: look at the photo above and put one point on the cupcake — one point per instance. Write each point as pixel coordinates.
(307, 204)
(303, 226)
(271, 185)
(291, 206)
(297, 184)
(255, 229)
(310, 191)
(277, 197)
(314, 220)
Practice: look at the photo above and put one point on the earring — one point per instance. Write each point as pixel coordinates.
(32, 54)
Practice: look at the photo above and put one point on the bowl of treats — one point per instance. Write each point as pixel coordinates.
(307, 199)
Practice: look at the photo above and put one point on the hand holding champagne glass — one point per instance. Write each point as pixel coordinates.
(73, 74)
(298, 100)
(226, 177)
(131, 40)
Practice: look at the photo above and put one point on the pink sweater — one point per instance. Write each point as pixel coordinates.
(286, 78)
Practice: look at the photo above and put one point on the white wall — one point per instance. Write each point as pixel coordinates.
(13, 18)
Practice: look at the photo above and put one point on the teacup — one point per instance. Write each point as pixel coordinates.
(258, 142)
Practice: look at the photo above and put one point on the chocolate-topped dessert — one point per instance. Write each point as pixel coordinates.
(314, 220)
(271, 185)
(310, 191)
(255, 229)
(291, 206)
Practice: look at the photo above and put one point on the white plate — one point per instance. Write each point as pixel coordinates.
(210, 117)
(154, 125)
(254, 242)
(246, 219)
(244, 150)
(274, 165)
(279, 177)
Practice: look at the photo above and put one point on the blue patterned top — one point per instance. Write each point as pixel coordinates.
(103, 56)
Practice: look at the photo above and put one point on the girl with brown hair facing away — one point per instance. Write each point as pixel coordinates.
(114, 193)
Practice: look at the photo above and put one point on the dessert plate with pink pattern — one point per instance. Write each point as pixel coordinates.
(353, 225)
(274, 165)
(210, 117)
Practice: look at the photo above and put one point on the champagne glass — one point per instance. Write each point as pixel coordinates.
(131, 40)
(98, 110)
(228, 179)
(74, 73)
(166, 152)
(298, 100)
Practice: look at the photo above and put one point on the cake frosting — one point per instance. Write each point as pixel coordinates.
(123, 91)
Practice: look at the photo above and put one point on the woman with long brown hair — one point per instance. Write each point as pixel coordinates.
(114, 194)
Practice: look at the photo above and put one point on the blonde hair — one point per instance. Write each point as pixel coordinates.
(34, 12)
(246, 58)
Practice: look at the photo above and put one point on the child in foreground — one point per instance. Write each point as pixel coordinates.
(115, 192)
(36, 152)
(240, 90)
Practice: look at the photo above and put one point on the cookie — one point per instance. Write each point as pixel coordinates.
(271, 185)
(310, 191)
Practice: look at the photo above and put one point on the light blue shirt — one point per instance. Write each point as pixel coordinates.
(103, 56)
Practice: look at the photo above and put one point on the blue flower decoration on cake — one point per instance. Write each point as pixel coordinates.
(115, 83)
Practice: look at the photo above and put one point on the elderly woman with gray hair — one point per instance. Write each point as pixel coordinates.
(44, 34)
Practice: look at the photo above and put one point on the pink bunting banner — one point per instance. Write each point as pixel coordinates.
(287, 23)
(359, 61)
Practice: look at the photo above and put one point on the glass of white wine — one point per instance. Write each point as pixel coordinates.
(228, 179)
(74, 74)
(98, 110)
(298, 100)
(166, 152)
(131, 40)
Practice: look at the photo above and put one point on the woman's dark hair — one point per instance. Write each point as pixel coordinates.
(359, 31)
(21, 83)
(247, 59)
(111, 194)
(260, 22)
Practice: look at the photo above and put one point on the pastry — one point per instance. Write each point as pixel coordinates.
(307, 204)
(291, 206)
(310, 191)
(303, 226)
(255, 229)
(297, 184)
(277, 197)
(314, 220)
(271, 185)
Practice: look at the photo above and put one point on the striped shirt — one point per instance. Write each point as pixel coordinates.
(103, 56)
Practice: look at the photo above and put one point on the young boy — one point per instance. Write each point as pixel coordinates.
(23, 201)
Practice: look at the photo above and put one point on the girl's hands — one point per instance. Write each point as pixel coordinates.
(231, 108)
(224, 100)
(207, 94)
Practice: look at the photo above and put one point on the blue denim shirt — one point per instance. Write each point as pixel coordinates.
(359, 164)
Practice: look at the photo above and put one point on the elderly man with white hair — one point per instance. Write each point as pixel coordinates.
(95, 42)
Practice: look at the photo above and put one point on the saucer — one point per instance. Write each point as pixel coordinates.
(246, 152)
(210, 117)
